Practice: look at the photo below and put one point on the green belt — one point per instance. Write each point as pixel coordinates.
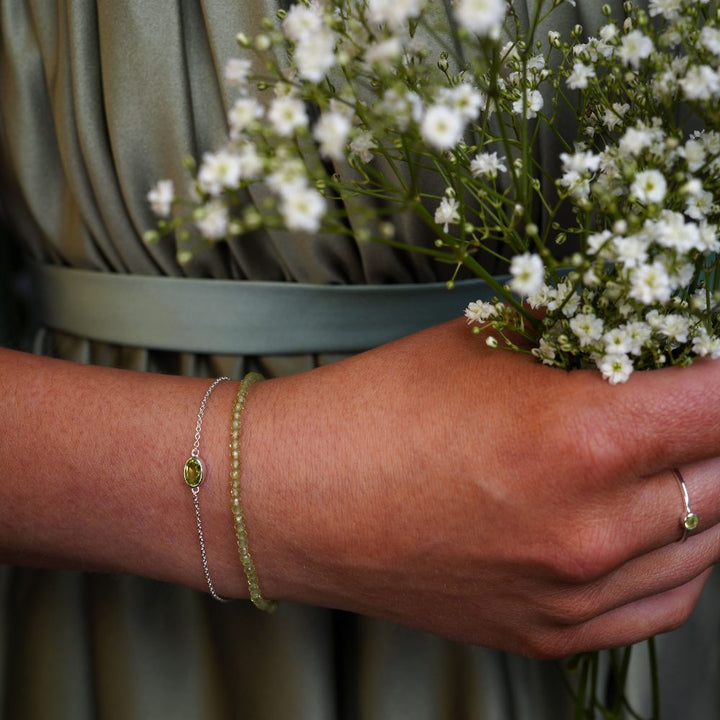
(241, 317)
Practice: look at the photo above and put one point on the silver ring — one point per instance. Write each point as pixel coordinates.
(689, 521)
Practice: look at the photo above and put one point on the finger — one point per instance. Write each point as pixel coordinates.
(658, 419)
(630, 623)
(655, 573)
(654, 510)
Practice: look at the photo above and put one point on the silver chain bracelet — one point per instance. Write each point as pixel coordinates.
(194, 473)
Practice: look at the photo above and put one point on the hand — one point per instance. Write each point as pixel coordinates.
(479, 495)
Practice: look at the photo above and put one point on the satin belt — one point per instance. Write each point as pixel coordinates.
(241, 317)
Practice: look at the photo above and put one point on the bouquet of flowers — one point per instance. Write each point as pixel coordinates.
(351, 114)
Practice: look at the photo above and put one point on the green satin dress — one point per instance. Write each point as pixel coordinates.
(98, 100)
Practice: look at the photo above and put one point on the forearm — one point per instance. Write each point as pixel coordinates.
(94, 471)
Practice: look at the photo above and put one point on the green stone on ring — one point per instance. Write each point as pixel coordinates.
(193, 472)
(691, 521)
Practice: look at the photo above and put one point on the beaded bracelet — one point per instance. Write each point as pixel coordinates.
(194, 472)
(240, 530)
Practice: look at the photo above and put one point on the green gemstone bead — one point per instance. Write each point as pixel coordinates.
(193, 472)
(691, 521)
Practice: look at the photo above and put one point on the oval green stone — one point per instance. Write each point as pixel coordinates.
(193, 472)
(691, 521)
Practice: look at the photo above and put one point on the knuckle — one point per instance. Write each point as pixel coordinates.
(586, 555)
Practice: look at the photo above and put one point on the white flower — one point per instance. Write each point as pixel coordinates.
(487, 164)
(447, 211)
(237, 71)
(709, 238)
(704, 344)
(250, 163)
(634, 48)
(528, 273)
(545, 352)
(710, 38)
(243, 114)
(650, 284)
(671, 231)
(631, 250)
(529, 103)
(667, 8)
(161, 197)
(649, 187)
(331, 131)
(694, 153)
(315, 55)
(362, 145)
(581, 73)
(580, 162)
(402, 107)
(675, 327)
(393, 13)
(608, 32)
(480, 311)
(464, 98)
(442, 127)
(303, 22)
(290, 176)
(701, 83)
(212, 220)
(482, 17)
(614, 115)
(303, 209)
(587, 328)
(615, 368)
(639, 333)
(219, 171)
(635, 140)
(287, 114)
(617, 341)
(385, 51)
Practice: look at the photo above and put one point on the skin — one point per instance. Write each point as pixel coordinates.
(469, 492)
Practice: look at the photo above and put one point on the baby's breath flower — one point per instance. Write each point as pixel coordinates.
(303, 21)
(393, 13)
(212, 220)
(480, 311)
(362, 145)
(667, 8)
(315, 55)
(447, 212)
(237, 72)
(331, 131)
(710, 39)
(649, 187)
(529, 104)
(587, 327)
(650, 284)
(442, 127)
(487, 165)
(219, 171)
(161, 197)
(528, 272)
(384, 51)
(701, 83)
(581, 73)
(635, 47)
(303, 209)
(287, 115)
(615, 368)
(481, 17)
(243, 114)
